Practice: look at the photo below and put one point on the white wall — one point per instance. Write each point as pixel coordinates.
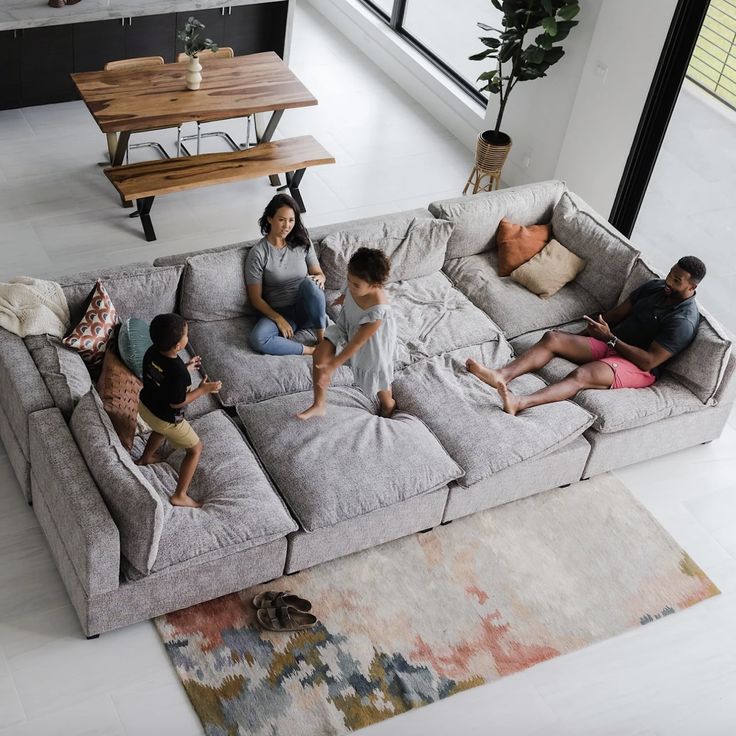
(628, 40)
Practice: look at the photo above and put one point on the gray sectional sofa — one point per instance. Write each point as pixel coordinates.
(281, 495)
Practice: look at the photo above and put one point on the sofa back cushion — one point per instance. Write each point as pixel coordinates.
(136, 290)
(135, 507)
(213, 286)
(415, 248)
(701, 366)
(608, 254)
(476, 218)
(62, 369)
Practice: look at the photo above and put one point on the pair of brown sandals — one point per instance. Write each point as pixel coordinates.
(282, 611)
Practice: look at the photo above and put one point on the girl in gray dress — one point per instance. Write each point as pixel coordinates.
(363, 336)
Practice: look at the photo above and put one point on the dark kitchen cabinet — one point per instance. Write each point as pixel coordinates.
(10, 64)
(46, 61)
(253, 28)
(151, 35)
(98, 42)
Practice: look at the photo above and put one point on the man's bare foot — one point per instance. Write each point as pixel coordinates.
(316, 410)
(308, 349)
(185, 501)
(510, 401)
(487, 375)
(388, 409)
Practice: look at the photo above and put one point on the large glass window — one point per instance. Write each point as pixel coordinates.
(449, 31)
(445, 32)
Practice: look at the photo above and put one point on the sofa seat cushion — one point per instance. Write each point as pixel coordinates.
(62, 369)
(466, 415)
(241, 508)
(433, 317)
(516, 309)
(310, 462)
(245, 374)
(621, 408)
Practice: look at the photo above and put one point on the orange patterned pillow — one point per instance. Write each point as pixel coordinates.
(119, 388)
(90, 336)
(518, 244)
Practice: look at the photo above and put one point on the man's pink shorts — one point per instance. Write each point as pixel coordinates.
(625, 373)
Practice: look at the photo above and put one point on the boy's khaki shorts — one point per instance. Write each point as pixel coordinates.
(179, 435)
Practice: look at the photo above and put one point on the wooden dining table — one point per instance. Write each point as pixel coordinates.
(134, 100)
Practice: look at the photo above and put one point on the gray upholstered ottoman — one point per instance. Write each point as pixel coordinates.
(351, 478)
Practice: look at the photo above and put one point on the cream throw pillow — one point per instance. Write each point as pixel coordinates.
(548, 271)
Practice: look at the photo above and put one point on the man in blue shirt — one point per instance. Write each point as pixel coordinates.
(623, 348)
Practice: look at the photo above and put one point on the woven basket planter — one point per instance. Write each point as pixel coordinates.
(489, 160)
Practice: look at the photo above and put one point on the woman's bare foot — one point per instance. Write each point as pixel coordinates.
(388, 408)
(316, 410)
(184, 500)
(510, 401)
(308, 349)
(487, 375)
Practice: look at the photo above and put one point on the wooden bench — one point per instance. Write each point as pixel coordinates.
(144, 181)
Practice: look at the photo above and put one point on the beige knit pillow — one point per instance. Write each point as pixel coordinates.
(548, 271)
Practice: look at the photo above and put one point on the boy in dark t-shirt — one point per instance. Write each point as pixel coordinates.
(164, 395)
(657, 321)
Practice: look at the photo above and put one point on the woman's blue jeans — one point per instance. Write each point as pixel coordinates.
(308, 311)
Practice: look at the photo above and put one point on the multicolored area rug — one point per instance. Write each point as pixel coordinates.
(419, 619)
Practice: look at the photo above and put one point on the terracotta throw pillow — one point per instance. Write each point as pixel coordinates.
(549, 270)
(90, 336)
(119, 388)
(517, 244)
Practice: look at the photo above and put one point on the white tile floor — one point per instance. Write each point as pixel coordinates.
(57, 213)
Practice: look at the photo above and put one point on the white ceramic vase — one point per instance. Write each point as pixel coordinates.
(194, 73)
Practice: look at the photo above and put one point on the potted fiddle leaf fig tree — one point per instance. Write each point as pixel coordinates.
(194, 44)
(516, 60)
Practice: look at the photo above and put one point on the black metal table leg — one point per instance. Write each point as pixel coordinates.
(266, 137)
(144, 209)
(293, 179)
(121, 148)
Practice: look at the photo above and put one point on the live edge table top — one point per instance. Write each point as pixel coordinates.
(146, 99)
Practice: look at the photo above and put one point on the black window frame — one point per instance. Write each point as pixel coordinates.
(396, 23)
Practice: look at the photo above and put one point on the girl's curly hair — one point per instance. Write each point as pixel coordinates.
(371, 265)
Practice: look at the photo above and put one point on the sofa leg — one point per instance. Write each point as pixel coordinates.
(296, 572)
(424, 531)
(567, 485)
(30, 502)
(707, 442)
(94, 636)
(445, 523)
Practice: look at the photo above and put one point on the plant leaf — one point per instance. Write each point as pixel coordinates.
(507, 51)
(497, 5)
(550, 26)
(492, 43)
(553, 55)
(568, 12)
(547, 5)
(544, 41)
(479, 57)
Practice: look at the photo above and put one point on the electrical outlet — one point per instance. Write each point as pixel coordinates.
(601, 71)
(526, 162)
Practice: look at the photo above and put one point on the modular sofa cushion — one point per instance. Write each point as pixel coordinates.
(414, 249)
(63, 370)
(701, 366)
(213, 286)
(319, 233)
(467, 416)
(548, 271)
(512, 307)
(245, 374)
(134, 505)
(476, 218)
(241, 509)
(394, 459)
(621, 408)
(433, 317)
(136, 290)
(608, 255)
(134, 338)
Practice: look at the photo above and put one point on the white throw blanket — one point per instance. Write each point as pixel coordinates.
(33, 307)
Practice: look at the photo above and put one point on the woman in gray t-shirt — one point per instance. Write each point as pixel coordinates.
(285, 282)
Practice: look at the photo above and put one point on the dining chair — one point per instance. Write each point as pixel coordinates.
(224, 52)
(140, 62)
